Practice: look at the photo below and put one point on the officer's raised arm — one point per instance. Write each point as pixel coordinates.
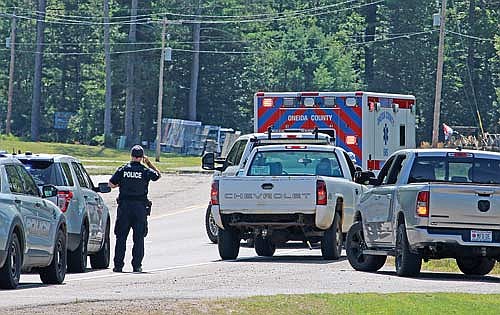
(153, 167)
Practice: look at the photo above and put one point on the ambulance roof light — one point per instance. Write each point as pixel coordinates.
(259, 93)
(358, 93)
(309, 94)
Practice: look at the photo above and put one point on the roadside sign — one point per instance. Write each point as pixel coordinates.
(61, 119)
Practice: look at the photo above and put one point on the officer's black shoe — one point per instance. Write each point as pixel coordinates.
(116, 269)
(138, 269)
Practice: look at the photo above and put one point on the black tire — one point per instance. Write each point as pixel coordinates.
(478, 266)
(77, 259)
(10, 273)
(56, 271)
(101, 259)
(211, 226)
(228, 243)
(354, 246)
(264, 246)
(408, 264)
(331, 243)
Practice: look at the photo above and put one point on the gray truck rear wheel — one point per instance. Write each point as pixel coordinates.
(354, 246)
(479, 266)
(100, 260)
(228, 243)
(408, 264)
(77, 259)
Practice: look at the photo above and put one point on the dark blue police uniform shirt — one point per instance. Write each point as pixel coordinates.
(133, 179)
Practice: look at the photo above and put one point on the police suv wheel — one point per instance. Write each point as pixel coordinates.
(56, 271)
(211, 226)
(11, 270)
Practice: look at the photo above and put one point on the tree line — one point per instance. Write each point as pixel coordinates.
(223, 51)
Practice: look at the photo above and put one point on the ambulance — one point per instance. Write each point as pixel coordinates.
(371, 125)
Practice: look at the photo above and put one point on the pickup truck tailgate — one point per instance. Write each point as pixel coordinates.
(264, 194)
(464, 206)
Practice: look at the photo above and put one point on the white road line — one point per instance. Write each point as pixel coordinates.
(187, 209)
(117, 274)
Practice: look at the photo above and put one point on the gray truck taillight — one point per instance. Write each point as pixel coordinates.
(422, 208)
(63, 199)
(214, 193)
(321, 193)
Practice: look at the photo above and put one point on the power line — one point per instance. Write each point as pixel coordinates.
(148, 20)
(406, 36)
(196, 16)
(470, 36)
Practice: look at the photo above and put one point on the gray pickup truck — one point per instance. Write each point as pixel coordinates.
(430, 204)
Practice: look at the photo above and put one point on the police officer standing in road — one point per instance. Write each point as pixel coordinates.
(133, 180)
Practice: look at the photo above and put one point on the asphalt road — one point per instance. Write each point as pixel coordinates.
(180, 262)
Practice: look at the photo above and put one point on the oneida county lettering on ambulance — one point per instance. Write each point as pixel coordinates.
(312, 117)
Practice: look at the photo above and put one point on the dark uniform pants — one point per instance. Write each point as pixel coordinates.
(130, 214)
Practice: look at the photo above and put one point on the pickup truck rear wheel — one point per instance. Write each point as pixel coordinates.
(228, 243)
(331, 244)
(11, 270)
(479, 266)
(211, 226)
(56, 271)
(354, 246)
(264, 246)
(408, 264)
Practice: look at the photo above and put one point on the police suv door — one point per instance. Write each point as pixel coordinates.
(98, 206)
(45, 214)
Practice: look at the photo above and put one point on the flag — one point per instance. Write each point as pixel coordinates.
(448, 131)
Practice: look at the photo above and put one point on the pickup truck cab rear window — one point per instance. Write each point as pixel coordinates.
(298, 163)
(455, 170)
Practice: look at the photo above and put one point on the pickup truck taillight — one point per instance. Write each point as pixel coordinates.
(63, 199)
(321, 194)
(423, 204)
(214, 193)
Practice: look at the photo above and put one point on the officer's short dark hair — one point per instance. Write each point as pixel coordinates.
(137, 151)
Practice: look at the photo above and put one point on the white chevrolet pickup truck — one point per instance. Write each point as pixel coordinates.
(430, 204)
(286, 192)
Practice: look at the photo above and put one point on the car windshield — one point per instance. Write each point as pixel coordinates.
(44, 172)
(455, 170)
(283, 163)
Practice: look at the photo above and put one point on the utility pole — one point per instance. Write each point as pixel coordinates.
(130, 90)
(195, 69)
(37, 79)
(160, 90)
(107, 61)
(11, 74)
(439, 76)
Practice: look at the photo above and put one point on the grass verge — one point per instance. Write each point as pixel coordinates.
(313, 304)
(444, 265)
(97, 159)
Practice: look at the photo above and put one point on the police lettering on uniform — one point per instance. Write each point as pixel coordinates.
(133, 206)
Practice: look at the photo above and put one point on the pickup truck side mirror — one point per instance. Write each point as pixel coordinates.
(364, 178)
(208, 161)
(103, 188)
(49, 191)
